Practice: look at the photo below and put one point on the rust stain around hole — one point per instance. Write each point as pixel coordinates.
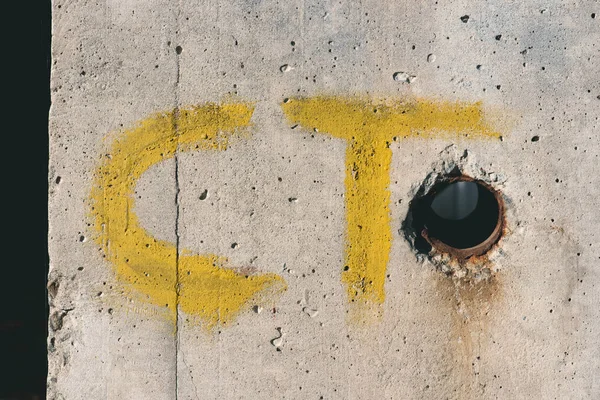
(471, 290)
(474, 308)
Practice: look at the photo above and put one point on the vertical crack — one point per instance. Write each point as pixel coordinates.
(177, 285)
(177, 196)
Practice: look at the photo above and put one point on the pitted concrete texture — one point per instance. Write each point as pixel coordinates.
(229, 182)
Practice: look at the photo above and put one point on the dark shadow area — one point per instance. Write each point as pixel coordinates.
(24, 310)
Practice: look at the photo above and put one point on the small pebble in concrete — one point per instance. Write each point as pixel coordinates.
(278, 341)
(285, 68)
(311, 312)
(404, 77)
(431, 57)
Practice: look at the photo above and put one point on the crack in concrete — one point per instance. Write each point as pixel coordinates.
(177, 195)
(191, 376)
(177, 288)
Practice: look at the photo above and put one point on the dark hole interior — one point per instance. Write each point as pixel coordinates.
(460, 213)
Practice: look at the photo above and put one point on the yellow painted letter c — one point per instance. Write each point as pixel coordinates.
(199, 285)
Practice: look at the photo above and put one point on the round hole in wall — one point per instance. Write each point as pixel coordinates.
(459, 215)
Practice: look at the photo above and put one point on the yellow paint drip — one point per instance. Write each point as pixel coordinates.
(368, 126)
(205, 287)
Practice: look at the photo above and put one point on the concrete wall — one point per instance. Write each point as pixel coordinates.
(229, 182)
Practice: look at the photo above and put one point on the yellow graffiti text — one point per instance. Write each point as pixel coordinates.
(369, 126)
(201, 285)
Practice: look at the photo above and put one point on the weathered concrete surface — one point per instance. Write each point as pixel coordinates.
(279, 201)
